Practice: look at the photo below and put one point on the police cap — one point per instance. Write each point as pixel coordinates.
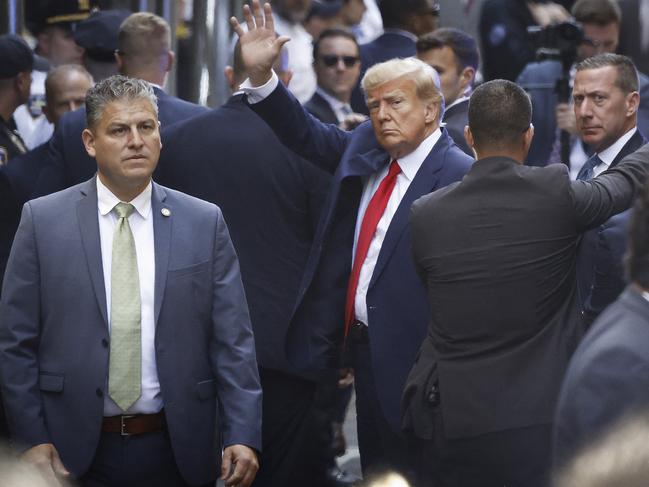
(16, 56)
(40, 14)
(98, 33)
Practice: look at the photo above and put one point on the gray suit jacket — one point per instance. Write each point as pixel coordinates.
(54, 331)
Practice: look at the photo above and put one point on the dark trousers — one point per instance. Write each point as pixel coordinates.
(294, 454)
(144, 460)
(512, 458)
(380, 447)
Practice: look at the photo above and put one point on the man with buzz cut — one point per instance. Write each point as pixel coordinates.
(496, 252)
(125, 341)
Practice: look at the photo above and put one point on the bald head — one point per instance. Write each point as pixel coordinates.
(65, 90)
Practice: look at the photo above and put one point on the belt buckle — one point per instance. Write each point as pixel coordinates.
(123, 424)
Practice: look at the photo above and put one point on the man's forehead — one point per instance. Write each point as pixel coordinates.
(128, 111)
(603, 76)
(395, 87)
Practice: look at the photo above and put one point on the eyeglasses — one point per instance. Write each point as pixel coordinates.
(331, 60)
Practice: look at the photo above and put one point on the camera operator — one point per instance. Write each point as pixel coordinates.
(600, 21)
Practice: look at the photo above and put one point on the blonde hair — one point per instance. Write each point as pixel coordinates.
(424, 76)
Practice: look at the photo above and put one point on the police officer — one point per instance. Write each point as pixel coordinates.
(15, 82)
(52, 23)
(97, 35)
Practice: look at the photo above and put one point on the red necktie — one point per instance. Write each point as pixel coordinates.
(373, 214)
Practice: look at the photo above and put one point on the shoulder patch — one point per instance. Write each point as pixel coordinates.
(4, 156)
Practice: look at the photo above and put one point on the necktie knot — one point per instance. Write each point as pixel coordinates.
(588, 170)
(395, 169)
(123, 210)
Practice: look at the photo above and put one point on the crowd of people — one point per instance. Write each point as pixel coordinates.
(192, 293)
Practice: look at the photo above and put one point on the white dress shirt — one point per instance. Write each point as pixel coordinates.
(300, 58)
(141, 223)
(340, 108)
(409, 165)
(608, 155)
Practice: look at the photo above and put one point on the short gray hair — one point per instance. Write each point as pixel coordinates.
(117, 88)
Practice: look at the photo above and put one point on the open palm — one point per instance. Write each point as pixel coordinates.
(260, 46)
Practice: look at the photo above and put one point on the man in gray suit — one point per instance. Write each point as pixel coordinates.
(124, 326)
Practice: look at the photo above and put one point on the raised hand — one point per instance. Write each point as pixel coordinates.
(260, 46)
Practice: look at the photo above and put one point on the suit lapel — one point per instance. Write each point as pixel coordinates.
(89, 229)
(162, 242)
(634, 143)
(425, 181)
(364, 164)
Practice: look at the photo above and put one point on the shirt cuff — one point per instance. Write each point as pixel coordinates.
(258, 93)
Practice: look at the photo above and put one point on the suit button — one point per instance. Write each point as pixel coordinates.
(104, 343)
(99, 393)
(433, 395)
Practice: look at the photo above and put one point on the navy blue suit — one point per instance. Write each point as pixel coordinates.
(396, 300)
(599, 258)
(608, 376)
(456, 118)
(320, 109)
(272, 201)
(68, 155)
(538, 79)
(389, 45)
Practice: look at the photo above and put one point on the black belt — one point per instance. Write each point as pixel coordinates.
(358, 333)
(134, 424)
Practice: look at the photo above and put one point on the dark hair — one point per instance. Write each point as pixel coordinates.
(395, 13)
(637, 259)
(627, 75)
(332, 33)
(600, 12)
(462, 44)
(499, 113)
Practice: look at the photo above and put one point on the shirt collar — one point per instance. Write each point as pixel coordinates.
(106, 200)
(411, 163)
(335, 103)
(401, 32)
(609, 154)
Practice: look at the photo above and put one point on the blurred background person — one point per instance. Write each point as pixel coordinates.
(97, 35)
(330, 14)
(454, 55)
(52, 23)
(403, 21)
(634, 32)
(503, 34)
(336, 63)
(289, 16)
(608, 376)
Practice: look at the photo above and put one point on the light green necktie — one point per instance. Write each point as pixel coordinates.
(125, 367)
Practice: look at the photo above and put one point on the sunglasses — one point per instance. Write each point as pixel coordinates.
(331, 60)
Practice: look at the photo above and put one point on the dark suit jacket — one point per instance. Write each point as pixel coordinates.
(497, 254)
(395, 295)
(271, 200)
(608, 376)
(631, 33)
(593, 258)
(388, 45)
(54, 331)
(456, 118)
(539, 79)
(320, 109)
(67, 154)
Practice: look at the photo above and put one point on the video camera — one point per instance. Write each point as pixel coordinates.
(556, 41)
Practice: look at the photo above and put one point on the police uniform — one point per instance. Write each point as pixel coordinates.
(31, 122)
(16, 58)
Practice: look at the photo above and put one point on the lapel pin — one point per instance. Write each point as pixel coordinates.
(165, 212)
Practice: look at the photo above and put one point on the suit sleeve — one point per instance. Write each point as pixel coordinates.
(19, 338)
(613, 191)
(232, 350)
(321, 144)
